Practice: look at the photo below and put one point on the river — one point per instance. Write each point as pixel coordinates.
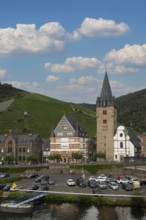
(69, 211)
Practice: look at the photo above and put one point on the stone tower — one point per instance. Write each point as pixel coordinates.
(106, 120)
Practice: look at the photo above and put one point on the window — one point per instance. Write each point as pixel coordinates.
(10, 147)
(104, 112)
(116, 156)
(19, 149)
(121, 135)
(104, 121)
(24, 149)
(121, 144)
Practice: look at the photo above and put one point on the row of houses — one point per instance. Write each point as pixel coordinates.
(68, 137)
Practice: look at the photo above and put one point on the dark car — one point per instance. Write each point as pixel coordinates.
(32, 175)
(7, 187)
(2, 186)
(38, 179)
(127, 186)
(44, 182)
(96, 190)
(92, 183)
(81, 182)
(33, 187)
(43, 188)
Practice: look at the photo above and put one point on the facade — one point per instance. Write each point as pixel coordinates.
(46, 150)
(126, 144)
(20, 147)
(106, 120)
(69, 137)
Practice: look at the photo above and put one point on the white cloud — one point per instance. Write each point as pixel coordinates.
(130, 54)
(73, 64)
(49, 38)
(117, 69)
(83, 80)
(100, 27)
(24, 85)
(2, 73)
(51, 78)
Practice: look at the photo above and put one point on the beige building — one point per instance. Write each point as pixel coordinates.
(106, 120)
(20, 147)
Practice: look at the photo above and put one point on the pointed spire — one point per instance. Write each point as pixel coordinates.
(106, 98)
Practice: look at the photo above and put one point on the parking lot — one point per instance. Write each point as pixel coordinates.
(61, 185)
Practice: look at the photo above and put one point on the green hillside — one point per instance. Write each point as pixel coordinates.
(132, 110)
(25, 112)
(35, 113)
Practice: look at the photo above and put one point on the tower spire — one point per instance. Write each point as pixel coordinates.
(106, 98)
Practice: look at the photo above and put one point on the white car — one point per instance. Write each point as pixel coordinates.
(93, 178)
(122, 179)
(71, 182)
(101, 178)
(113, 185)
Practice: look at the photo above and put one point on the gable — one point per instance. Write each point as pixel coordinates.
(64, 128)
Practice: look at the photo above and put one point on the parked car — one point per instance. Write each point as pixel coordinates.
(113, 185)
(43, 188)
(122, 179)
(127, 186)
(111, 178)
(81, 182)
(44, 182)
(102, 185)
(71, 182)
(92, 178)
(3, 175)
(2, 186)
(92, 183)
(51, 182)
(32, 175)
(33, 187)
(7, 187)
(96, 190)
(101, 178)
(39, 178)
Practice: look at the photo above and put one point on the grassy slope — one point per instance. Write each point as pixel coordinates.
(45, 113)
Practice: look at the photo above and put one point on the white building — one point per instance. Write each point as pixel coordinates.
(126, 144)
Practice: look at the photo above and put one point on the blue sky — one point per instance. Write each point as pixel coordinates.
(62, 48)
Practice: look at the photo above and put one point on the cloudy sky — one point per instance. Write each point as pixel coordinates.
(62, 48)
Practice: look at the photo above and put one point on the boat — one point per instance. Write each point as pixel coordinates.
(11, 207)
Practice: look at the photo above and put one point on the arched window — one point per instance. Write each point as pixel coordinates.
(121, 135)
(121, 144)
(10, 146)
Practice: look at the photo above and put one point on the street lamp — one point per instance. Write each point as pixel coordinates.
(126, 133)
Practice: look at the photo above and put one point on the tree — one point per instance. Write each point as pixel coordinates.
(77, 155)
(9, 159)
(32, 158)
(101, 155)
(54, 157)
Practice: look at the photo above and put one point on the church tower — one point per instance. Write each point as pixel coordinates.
(106, 120)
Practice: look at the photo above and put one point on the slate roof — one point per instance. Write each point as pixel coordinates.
(133, 138)
(106, 98)
(76, 125)
(21, 138)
